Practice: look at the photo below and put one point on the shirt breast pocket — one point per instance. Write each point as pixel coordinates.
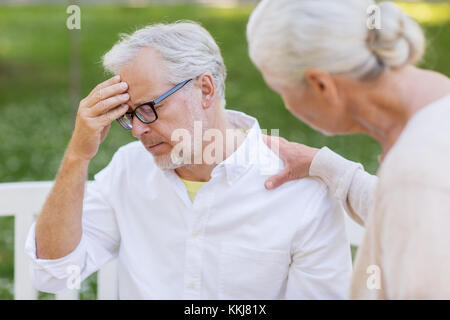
(247, 273)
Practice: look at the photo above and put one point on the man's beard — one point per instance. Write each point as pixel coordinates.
(172, 161)
(165, 162)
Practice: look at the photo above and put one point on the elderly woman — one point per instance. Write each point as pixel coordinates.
(340, 76)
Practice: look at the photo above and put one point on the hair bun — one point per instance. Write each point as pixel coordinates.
(400, 40)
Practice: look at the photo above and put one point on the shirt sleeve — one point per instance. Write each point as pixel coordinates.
(99, 241)
(347, 181)
(321, 260)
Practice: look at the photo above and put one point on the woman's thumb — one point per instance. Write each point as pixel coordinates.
(277, 180)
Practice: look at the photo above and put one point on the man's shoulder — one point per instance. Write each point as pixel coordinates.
(301, 193)
(271, 164)
(306, 187)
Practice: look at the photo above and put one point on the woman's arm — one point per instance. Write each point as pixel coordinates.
(346, 180)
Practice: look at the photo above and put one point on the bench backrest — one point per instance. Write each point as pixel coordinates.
(24, 200)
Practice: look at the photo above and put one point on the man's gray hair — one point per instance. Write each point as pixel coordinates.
(186, 48)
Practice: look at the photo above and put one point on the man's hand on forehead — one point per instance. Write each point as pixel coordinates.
(105, 103)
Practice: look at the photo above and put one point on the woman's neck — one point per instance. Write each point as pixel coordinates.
(388, 103)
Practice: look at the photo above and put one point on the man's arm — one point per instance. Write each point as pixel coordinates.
(100, 236)
(58, 228)
(321, 260)
(59, 225)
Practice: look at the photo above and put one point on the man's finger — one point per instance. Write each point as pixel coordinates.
(113, 114)
(92, 97)
(98, 95)
(105, 105)
(277, 180)
(113, 94)
(107, 83)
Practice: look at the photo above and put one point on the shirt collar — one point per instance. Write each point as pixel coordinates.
(240, 161)
(252, 151)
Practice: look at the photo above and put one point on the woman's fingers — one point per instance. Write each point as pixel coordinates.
(296, 158)
(277, 180)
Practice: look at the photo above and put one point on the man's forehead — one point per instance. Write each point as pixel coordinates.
(146, 66)
(145, 76)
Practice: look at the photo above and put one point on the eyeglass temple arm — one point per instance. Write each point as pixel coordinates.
(168, 93)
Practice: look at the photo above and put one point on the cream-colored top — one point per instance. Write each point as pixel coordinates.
(406, 250)
(347, 182)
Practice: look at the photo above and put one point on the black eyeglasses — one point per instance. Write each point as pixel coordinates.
(146, 112)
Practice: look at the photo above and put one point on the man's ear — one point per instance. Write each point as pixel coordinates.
(206, 83)
(323, 85)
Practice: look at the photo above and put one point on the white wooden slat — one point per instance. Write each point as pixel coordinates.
(108, 282)
(68, 294)
(24, 200)
(23, 288)
(23, 197)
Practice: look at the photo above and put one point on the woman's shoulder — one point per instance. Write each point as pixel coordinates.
(431, 124)
(422, 152)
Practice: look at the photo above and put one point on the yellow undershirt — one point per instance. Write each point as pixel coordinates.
(192, 187)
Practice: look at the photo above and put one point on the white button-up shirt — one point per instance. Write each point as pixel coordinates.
(236, 241)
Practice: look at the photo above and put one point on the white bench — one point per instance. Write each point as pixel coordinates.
(24, 200)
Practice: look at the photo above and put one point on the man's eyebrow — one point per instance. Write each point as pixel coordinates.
(143, 101)
(146, 100)
(140, 102)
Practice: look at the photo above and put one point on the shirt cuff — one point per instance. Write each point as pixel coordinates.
(59, 268)
(336, 171)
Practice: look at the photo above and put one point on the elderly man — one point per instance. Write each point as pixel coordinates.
(183, 226)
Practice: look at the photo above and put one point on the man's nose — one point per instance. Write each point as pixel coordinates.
(139, 128)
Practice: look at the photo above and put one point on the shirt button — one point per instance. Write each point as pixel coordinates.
(191, 285)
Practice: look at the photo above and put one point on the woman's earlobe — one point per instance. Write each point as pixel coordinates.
(313, 78)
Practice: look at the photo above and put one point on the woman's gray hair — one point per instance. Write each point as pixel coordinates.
(186, 48)
(288, 37)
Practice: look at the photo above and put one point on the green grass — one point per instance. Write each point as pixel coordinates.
(34, 96)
